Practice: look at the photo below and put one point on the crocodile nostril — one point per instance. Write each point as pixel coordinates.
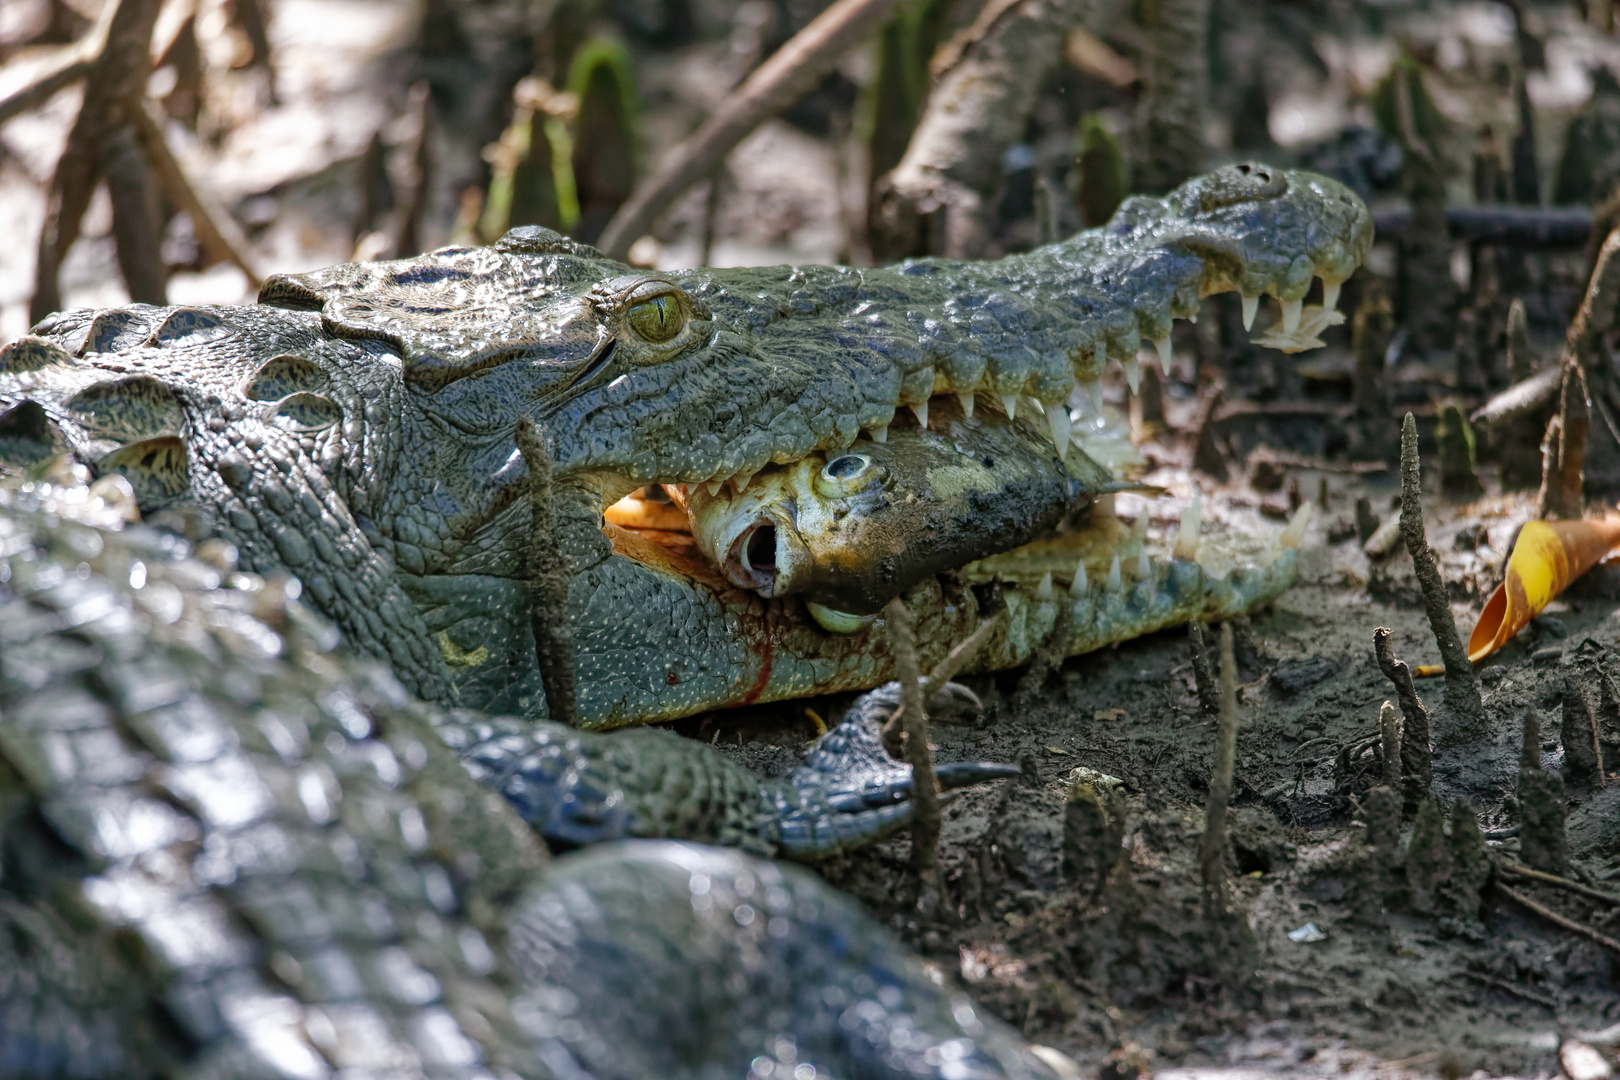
(759, 550)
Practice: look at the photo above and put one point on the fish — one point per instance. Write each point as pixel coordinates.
(848, 531)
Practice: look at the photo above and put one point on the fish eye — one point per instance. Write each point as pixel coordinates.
(659, 319)
(845, 467)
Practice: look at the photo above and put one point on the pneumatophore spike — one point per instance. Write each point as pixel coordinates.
(1133, 374)
(922, 414)
(1187, 535)
(1057, 418)
(967, 403)
(1043, 591)
(1330, 294)
(1115, 582)
(1163, 345)
(1251, 306)
(1144, 566)
(1291, 310)
(1078, 585)
(1009, 403)
(880, 434)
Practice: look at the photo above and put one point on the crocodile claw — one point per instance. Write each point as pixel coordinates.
(850, 791)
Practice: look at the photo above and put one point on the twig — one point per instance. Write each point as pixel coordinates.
(1516, 991)
(1561, 920)
(1554, 879)
(1503, 223)
(1213, 848)
(776, 84)
(69, 64)
(215, 228)
(553, 633)
(1462, 691)
(958, 658)
(925, 821)
(1596, 314)
(1209, 693)
(1417, 768)
(1520, 399)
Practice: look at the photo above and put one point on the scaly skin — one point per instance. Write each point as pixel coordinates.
(225, 853)
(356, 429)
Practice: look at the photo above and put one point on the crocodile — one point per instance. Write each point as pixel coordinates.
(229, 851)
(356, 428)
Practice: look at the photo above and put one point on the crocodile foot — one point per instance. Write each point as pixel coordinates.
(576, 788)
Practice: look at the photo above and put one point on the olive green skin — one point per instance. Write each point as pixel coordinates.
(356, 427)
(853, 530)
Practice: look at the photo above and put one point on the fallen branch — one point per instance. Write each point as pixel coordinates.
(1462, 691)
(216, 230)
(1507, 224)
(925, 821)
(1553, 879)
(69, 64)
(1596, 314)
(548, 617)
(1520, 399)
(958, 658)
(776, 84)
(1560, 920)
(1516, 991)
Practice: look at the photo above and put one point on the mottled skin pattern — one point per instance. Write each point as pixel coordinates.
(356, 429)
(227, 852)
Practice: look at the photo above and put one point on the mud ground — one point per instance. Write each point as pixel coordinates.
(1120, 962)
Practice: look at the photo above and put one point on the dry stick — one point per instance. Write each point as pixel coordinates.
(71, 63)
(553, 633)
(1596, 314)
(1213, 848)
(1563, 450)
(1417, 768)
(1389, 725)
(1209, 694)
(1462, 691)
(1561, 882)
(776, 84)
(958, 658)
(1561, 920)
(925, 822)
(215, 228)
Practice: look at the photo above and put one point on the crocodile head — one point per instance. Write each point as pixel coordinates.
(356, 428)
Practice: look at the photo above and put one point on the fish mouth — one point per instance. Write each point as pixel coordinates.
(765, 555)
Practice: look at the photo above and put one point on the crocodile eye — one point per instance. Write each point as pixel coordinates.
(658, 320)
(842, 468)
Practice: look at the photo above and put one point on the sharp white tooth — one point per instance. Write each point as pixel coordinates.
(1163, 345)
(1043, 591)
(1294, 533)
(880, 434)
(1057, 418)
(1114, 582)
(1009, 403)
(740, 482)
(1139, 528)
(714, 487)
(1094, 392)
(922, 414)
(1290, 314)
(1133, 374)
(1144, 566)
(1251, 305)
(1099, 357)
(1193, 318)
(1078, 585)
(967, 404)
(1187, 534)
(837, 622)
(1330, 294)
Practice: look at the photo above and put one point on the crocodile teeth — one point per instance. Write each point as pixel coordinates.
(1094, 392)
(967, 403)
(1294, 533)
(1009, 402)
(837, 622)
(714, 487)
(1251, 305)
(1043, 591)
(1139, 529)
(1115, 583)
(1057, 418)
(1290, 314)
(1330, 293)
(1079, 586)
(922, 414)
(1133, 374)
(1163, 345)
(880, 434)
(740, 482)
(1187, 534)
(1144, 566)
